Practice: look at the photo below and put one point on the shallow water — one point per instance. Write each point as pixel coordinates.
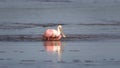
(93, 35)
(59, 54)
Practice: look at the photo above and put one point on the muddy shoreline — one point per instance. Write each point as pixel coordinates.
(70, 37)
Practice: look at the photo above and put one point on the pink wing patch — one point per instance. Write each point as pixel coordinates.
(48, 33)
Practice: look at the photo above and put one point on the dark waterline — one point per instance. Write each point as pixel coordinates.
(70, 37)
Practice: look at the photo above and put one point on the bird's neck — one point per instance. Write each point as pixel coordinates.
(58, 30)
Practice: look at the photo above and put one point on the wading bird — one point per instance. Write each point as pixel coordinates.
(52, 34)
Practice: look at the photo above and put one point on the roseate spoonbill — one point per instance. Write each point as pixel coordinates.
(52, 34)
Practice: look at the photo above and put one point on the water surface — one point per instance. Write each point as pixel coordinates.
(93, 35)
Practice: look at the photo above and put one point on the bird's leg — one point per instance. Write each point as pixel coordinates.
(45, 38)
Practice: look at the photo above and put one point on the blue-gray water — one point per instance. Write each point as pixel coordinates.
(92, 30)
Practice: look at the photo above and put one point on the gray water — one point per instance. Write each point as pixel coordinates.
(66, 54)
(59, 12)
(92, 30)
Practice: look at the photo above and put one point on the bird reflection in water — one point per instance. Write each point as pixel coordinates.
(54, 47)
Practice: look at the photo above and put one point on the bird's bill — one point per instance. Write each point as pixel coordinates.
(62, 33)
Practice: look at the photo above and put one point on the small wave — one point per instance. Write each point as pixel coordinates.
(70, 37)
(9, 25)
(102, 24)
(26, 25)
(40, 25)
